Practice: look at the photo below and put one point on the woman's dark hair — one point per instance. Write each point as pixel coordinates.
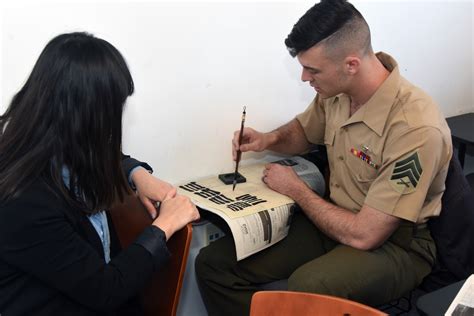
(68, 115)
(325, 19)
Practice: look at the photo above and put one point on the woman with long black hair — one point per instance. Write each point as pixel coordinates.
(61, 166)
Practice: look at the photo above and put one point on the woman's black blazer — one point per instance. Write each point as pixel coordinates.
(52, 260)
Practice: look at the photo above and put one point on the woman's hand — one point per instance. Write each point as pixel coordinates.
(176, 211)
(150, 189)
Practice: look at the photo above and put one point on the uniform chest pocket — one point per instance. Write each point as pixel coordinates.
(361, 169)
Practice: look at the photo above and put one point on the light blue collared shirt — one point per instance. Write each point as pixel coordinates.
(98, 220)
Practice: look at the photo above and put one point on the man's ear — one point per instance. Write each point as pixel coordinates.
(352, 65)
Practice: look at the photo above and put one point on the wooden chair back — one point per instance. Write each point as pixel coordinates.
(283, 303)
(161, 297)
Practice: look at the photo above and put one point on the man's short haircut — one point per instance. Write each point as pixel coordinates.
(335, 23)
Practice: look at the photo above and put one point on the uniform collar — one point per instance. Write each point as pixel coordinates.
(374, 112)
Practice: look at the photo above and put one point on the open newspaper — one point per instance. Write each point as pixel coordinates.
(463, 303)
(258, 217)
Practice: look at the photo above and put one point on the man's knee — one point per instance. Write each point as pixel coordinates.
(205, 263)
(215, 257)
(201, 264)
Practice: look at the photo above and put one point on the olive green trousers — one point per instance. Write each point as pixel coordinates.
(312, 262)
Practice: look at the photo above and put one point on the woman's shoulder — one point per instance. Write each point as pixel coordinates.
(36, 201)
(37, 192)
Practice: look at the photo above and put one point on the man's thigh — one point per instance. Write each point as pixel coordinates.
(303, 243)
(371, 277)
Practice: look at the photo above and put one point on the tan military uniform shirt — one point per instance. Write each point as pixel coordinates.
(392, 154)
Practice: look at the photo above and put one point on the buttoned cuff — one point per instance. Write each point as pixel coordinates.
(153, 239)
(128, 163)
(130, 180)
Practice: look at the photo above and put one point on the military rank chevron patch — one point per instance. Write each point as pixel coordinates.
(406, 174)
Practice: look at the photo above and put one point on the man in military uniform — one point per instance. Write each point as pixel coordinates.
(388, 148)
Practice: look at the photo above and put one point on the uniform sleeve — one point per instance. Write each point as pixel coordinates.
(411, 161)
(313, 121)
(37, 238)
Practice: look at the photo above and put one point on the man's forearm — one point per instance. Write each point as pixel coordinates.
(336, 222)
(288, 139)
